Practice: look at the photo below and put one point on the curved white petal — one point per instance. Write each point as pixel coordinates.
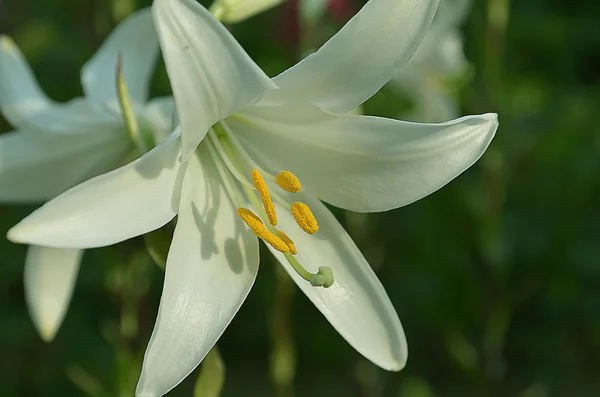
(50, 275)
(134, 199)
(210, 73)
(25, 105)
(37, 167)
(20, 93)
(360, 163)
(211, 267)
(360, 59)
(356, 304)
(135, 41)
(160, 116)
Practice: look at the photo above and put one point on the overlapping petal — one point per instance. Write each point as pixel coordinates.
(160, 115)
(49, 279)
(136, 42)
(211, 267)
(360, 163)
(211, 75)
(24, 104)
(356, 304)
(134, 199)
(37, 167)
(360, 59)
(20, 93)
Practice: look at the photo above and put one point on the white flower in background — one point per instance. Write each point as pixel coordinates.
(233, 11)
(427, 78)
(239, 131)
(55, 146)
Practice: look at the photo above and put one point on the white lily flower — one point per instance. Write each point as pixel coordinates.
(354, 162)
(439, 59)
(55, 146)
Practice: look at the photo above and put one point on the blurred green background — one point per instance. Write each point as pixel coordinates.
(496, 277)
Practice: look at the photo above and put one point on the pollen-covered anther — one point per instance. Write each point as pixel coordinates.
(288, 241)
(261, 187)
(288, 182)
(259, 229)
(304, 217)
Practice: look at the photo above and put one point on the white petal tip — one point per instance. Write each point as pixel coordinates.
(17, 234)
(6, 43)
(491, 116)
(47, 332)
(13, 235)
(398, 365)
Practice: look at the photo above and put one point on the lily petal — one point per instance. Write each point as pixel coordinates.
(24, 104)
(20, 93)
(135, 40)
(211, 75)
(134, 199)
(160, 116)
(360, 59)
(50, 275)
(211, 267)
(360, 163)
(356, 304)
(37, 167)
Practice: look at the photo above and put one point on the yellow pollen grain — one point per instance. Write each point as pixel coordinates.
(259, 229)
(262, 189)
(288, 241)
(304, 217)
(288, 182)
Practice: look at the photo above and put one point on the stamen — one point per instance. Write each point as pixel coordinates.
(259, 229)
(265, 197)
(288, 182)
(304, 217)
(288, 241)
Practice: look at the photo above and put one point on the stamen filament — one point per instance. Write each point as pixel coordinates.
(233, 192)
(225, 157)
(224, 128)
(229, 152)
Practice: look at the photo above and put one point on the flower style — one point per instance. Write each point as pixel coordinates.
(239, 133)
(439, 58)
(56, 146)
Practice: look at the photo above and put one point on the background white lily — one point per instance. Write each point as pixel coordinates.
(428, 77)
(355, 162)
(58, 145)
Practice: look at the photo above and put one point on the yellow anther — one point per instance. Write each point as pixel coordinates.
(274, 241)
(262, 189)
(288, 241)
(304, 217)
(288, 182)
(259, 229)
(252, 221)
